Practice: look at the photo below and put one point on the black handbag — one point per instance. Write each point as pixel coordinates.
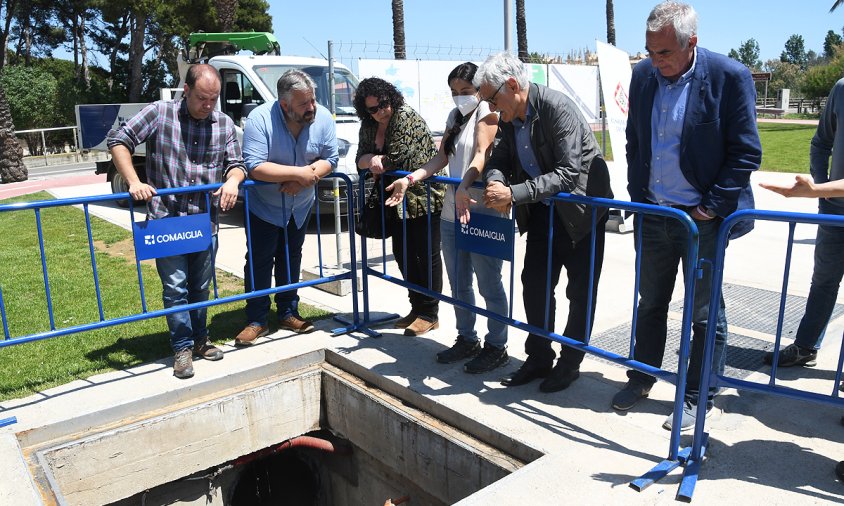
(369, 221)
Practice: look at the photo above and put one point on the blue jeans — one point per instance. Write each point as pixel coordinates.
(185, 279)
(271, 252)
(663, 246)
(826, 278)
(459, 266)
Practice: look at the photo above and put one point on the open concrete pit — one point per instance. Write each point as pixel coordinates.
(318, 435)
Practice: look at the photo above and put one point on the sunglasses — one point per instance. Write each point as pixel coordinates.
(375, 108)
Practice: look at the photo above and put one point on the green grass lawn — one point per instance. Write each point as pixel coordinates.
(600, 136)
(785, 147)
(31, 367)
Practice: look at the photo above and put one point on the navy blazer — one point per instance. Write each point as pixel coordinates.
(719, 147)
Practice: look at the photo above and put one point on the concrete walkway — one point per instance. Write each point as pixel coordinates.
(764, 450)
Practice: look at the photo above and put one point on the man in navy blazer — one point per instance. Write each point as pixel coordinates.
(692, 143)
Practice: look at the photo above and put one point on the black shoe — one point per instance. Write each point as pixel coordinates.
(839, 471)
(793, 355)
(526, 373)
(560, 378)
(627, 397)
(488, 359)
(462, 349)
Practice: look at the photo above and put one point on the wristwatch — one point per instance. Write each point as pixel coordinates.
(708, 212)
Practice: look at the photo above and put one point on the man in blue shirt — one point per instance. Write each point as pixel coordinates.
(691, 144)
(292, 143)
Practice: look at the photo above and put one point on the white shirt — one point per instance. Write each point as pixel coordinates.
(459, 160)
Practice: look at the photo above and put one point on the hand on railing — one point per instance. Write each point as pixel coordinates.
(141, 191)
(376, 164)
(498, 196)
(228, 194)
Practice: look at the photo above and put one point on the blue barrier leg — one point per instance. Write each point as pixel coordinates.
(659, 471)
(357, 324)
(8, 421)
(690, 474)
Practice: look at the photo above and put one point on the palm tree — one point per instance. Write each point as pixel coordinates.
(521, 31)
(226, 12)
(836, 5)
(398, 30)
(610, 23)
(12, 168)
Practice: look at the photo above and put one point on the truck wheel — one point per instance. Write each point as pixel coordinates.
(119, 185)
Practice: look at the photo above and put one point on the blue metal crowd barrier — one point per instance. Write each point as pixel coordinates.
(710, 378)
(676, 455)
(145, 313)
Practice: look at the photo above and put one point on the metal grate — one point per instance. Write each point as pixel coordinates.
(747, 307)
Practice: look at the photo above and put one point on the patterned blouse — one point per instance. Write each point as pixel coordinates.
(408, 145)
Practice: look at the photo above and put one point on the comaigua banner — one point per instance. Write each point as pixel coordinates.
(487, 235)
(172, 236)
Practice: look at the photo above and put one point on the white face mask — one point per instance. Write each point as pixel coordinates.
(466, 103)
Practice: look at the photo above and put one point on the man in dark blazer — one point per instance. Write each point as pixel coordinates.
(546, 147)
(692, 144)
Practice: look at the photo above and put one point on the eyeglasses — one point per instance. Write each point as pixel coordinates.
(491, 99)
(375, 108)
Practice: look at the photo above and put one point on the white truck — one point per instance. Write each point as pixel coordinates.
(248, 81)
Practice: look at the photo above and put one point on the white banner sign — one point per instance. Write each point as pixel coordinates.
(580, 83)
(614, 65)
(424, 84)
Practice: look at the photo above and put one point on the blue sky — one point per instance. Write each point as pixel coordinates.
(553, 26)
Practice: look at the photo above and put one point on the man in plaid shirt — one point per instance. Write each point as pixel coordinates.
(188, 143)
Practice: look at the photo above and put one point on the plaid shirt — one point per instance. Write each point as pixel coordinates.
(181, 151)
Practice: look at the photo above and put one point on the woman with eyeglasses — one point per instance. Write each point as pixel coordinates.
(470, 132)
(395, 137)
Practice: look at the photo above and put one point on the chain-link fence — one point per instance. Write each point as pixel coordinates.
(348, 53)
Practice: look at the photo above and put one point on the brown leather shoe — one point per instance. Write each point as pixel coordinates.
(206, 350)
(420, 326)
(250, 334)
(295, 324)
(404, 321)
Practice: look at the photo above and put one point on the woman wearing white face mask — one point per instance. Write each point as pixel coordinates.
(470, 132)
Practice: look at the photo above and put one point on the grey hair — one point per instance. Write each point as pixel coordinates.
(681, 17)
(293, 80)
(498, 68)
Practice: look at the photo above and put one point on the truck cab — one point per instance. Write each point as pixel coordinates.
(247, 82)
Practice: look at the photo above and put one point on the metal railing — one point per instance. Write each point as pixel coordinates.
(676, 455)
(44, 151)
(710, 378)
(690, 457)
(145, 313)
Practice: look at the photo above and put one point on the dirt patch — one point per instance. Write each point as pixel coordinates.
(126, 249)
